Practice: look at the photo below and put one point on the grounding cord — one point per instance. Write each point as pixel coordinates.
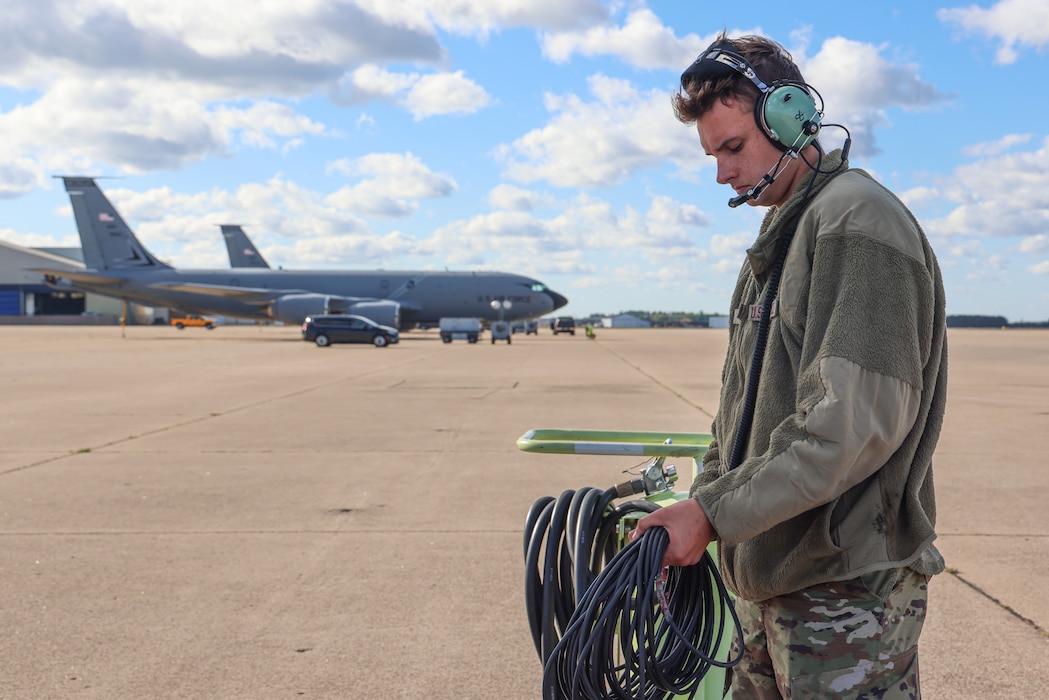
(746, 419)
(613, 623)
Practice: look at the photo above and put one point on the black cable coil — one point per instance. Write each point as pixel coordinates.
(612, 624)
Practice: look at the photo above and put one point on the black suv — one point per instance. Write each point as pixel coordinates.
(563, 324)
(347, 328)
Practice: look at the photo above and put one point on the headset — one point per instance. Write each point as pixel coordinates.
(785, 110)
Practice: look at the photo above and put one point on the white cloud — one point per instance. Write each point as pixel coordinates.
(394, 181)
(642, 41)
(260, 122)
(731, 245)
(1000, 196)
(727, 266)
(915, 197)
(445, 93)
(481, 17)
(859, 85)
(619, 130)
(424, 95)
(1038, 243)
(994, 148)
(666, 212)
(513, 198)
(18, 175)
(365, 122)
(183, 228)
(602, 142)
(1016, 23)
(586, 226)
(39, 240)
(241, 46)
(139, 85)
(372, 81)
(138, 124)
(334, 251)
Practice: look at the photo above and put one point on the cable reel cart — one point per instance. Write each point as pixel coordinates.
(572, 542)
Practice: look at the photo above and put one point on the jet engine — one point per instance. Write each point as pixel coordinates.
(294, 308)
(383, 312)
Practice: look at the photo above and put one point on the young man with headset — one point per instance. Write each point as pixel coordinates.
(818, 485)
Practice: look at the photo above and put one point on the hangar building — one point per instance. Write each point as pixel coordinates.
(26, 298)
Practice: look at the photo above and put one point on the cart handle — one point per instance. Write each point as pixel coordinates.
(615, 442)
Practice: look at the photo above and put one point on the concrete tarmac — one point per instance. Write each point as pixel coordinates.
(239, 514)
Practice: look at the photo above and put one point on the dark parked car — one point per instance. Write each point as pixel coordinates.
(346, 328)
(564, 324)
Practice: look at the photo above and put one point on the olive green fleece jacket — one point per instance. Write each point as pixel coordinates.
(836, 478)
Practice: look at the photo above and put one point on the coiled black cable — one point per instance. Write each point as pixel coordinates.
(666, 629)
(567, 541)
(589, 603)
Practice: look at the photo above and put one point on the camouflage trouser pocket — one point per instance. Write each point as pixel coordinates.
(895, 677)
(847, 639)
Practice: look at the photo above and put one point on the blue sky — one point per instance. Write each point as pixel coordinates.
(524, 136)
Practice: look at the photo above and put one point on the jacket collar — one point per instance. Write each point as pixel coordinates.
(762, 255)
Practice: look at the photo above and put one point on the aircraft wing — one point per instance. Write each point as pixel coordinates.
(92, 278)
(246, 295)
(257, 296)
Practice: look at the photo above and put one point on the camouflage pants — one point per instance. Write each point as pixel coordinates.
(847, 639)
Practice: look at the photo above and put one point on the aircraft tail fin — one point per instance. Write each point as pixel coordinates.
(242, 252)
(108, 243)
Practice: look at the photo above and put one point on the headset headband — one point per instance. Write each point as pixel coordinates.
(719, 61)
(785, 111)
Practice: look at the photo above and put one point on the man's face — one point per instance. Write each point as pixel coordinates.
(729, 133)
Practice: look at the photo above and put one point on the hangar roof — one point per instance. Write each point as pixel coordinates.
(14, 259)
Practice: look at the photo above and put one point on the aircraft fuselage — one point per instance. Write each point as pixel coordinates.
(424, 296)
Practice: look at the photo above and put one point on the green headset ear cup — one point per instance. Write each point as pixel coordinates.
(787, 114)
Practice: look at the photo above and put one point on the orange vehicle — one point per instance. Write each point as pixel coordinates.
(194, 321)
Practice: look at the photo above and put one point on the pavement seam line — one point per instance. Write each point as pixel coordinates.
(198, 419)
(628, 363)
(1026, 620)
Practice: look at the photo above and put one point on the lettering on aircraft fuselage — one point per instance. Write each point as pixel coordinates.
(519, 298)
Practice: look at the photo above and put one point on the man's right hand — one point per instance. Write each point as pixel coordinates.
(689, 529)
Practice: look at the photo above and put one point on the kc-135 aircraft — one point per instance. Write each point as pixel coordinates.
(118, 265)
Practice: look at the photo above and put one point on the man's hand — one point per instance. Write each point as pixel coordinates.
(689, 529)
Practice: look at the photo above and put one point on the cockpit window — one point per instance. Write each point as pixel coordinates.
(538, 287)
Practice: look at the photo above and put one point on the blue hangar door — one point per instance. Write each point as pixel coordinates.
(10, 302)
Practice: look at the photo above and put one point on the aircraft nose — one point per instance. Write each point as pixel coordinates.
(557, 299)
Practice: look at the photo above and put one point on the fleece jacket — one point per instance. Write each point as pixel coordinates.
(836, 479)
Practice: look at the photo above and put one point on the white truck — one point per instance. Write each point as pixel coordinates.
(468, 329)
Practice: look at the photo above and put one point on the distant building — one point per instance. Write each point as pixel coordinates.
(25, 294)
(624, 321)
(718, 322)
